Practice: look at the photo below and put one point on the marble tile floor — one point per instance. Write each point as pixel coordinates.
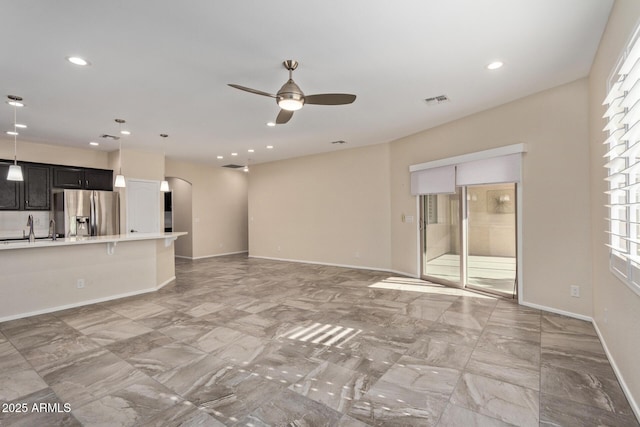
(237, 341)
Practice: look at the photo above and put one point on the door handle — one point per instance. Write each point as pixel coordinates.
(421, 224)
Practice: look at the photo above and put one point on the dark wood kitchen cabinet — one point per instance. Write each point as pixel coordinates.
(34, 193)
(82, 178)
(10, 191)
(98, 179)
(68, 177)
(37, 186)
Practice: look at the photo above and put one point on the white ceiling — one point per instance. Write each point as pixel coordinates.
(164, 66)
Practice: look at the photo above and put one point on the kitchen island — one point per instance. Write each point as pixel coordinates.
(47, 275)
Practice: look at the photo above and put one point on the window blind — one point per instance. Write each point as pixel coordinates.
(489, 171)
(441, 180)
(623, 164)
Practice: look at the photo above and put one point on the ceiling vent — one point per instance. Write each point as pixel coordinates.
(107, 136)
(437, 100)
(232, 166)
(340, 141)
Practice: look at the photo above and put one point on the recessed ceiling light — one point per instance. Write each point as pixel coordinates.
(271, 124)
(76, 60)
(220, 157)
(495, 65)
(125, 132)
(12, 133)
(94, 143)
(269, 147)
(234, 154)
(251, 150)
(20, 125)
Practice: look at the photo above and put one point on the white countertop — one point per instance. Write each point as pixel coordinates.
(25, 244)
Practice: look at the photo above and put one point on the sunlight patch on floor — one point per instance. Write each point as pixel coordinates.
(417, 285)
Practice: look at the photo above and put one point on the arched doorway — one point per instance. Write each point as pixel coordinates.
(181, 214)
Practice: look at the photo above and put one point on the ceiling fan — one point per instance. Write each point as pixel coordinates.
(290, 98)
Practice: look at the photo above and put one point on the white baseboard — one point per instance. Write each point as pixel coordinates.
(211, 256)
(557, 311)
(87, 302)
(625, 389)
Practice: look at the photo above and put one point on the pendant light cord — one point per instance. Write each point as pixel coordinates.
(15, 136)
(120, 150)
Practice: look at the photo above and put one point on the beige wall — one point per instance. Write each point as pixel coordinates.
(219, 209)
(138, 164)
(330, 208)
(182, 215)
(553, 124)
(55, 154)
(616, 308)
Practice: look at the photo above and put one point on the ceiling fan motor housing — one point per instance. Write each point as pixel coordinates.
(290, 97)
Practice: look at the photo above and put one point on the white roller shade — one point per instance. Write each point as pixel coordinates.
(493, 170)
(440, 180)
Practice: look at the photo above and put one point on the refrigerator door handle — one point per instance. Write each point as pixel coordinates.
(92, 216)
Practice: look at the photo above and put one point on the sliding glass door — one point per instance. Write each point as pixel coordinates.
(440, 226)
(491, 237)
(469, 238)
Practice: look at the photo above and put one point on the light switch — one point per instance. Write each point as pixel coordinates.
(409, 219)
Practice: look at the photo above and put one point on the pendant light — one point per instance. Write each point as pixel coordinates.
(120, 182)
(164, 185)
(15, 171)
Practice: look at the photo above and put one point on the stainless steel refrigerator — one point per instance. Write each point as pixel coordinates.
(86, 213)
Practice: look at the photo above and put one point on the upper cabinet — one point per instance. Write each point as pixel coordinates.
(82, 178)
(10, 191)
(37, 186)
(98, 179)
(34, 193)
(68, 177)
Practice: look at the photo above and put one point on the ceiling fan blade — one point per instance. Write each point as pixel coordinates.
(329, 99)
(284, 116)
(256, 91)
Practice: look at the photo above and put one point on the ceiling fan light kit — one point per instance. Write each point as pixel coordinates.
(290, 97)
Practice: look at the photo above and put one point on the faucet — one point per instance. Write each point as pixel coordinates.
(52, 229)
(32, 236)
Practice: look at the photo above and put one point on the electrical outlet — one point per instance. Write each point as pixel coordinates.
(80, 283)
(575, 291)
(605, 317)
(357, 254)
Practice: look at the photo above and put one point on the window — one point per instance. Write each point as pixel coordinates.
(623, 164)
